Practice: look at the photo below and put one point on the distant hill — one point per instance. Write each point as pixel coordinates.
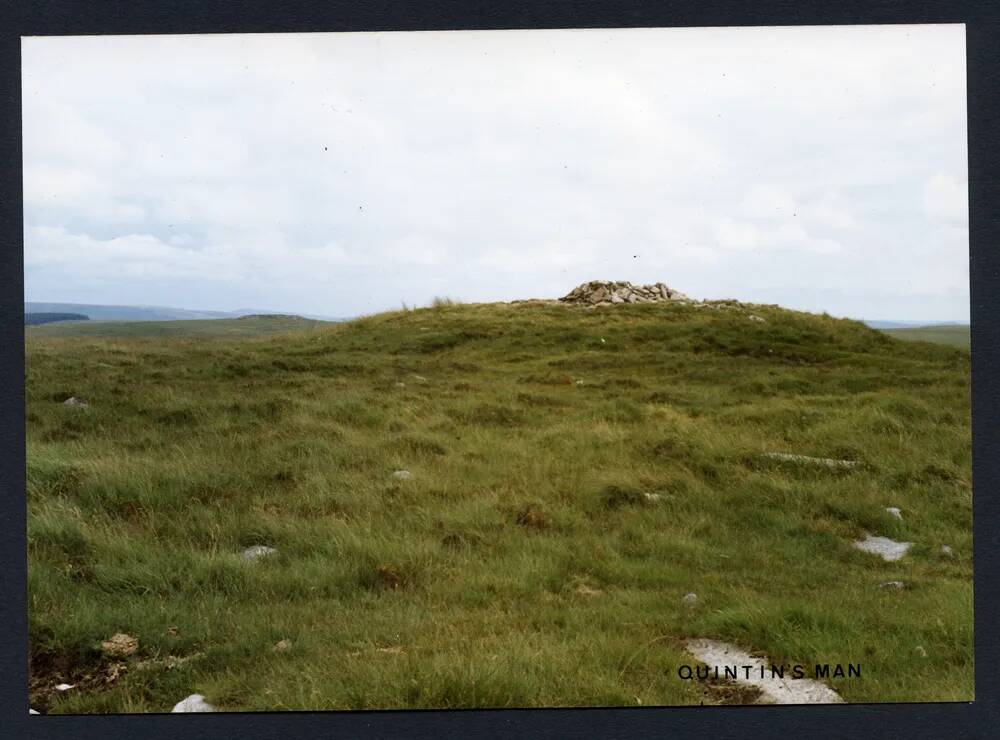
(877, 324)
(100, 312)
(34, 319)
(955, 335)
(248, 326)
(124, 313)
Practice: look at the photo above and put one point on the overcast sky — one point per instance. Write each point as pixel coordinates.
(823, 169)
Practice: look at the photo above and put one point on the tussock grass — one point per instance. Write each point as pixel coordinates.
(565, 494)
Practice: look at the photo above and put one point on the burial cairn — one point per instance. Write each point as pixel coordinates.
(601, 293)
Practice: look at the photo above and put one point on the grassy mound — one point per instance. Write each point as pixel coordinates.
(574, 473)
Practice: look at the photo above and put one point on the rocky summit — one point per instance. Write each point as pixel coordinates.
(599, 293)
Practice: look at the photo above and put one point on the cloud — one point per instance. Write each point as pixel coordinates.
(945, 198)
(340, 173)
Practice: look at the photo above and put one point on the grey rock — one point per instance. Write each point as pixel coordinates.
(690, 599)
(258, 551)
(74, 401)
(825, 461)
(888, 549)
(402, 474)
(947, 551)
(193, 703)
(895, 512)
(754, 317)
(893, 585)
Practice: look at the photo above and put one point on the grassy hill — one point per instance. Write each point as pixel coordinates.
(953, 335)
(249, 326)
(522, 563)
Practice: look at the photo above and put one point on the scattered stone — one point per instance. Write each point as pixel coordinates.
(754, 317)
(895, 512)
(74, 401)
(920, 651)
(282, 646)
(603, 293)
(653, 497)
(258, 551)
(888, 549)
(120, 645)
(690, 599)
(893, 585)
(947, 551)
(65, 686)
(827, 462)
(773, 689)
(402, 474)
(193, 703)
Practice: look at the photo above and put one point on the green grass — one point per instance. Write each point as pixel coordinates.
(955, 336)
(244, 327)
(521, 565)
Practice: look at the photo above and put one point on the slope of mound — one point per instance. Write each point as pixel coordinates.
(496, 505)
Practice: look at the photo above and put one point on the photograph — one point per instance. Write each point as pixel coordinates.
(475, 369)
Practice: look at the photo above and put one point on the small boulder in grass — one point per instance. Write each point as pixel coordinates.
(892, 586)
(894, 511)
(258, 551)
(193, 703)
(74, 401)
(402, 474)
(282, 646)
(690, 600)
(120, 645)
(947, 551)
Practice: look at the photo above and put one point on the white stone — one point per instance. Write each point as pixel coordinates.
(258, 551)
(74, 401)
(690, 599)
(788, 457)
(65, 686)
(888, 549)
(947, 551)
(32, 711)
(402, 474)
(895, 512)
(193, 703)
(893, 585)
(773, 690)
(754, 317)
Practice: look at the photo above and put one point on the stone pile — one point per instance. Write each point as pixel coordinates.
(600, 293)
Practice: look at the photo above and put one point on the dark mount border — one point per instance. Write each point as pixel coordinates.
(78, 17)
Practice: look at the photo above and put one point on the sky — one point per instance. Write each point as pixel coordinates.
(819, 168)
